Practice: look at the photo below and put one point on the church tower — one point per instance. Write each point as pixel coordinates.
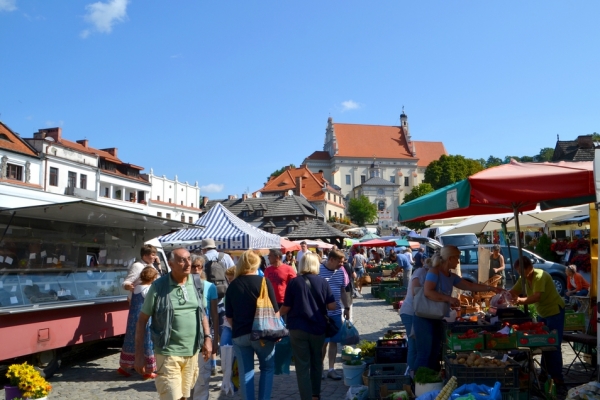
(406, 130)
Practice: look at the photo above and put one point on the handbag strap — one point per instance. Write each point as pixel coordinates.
(314, 294)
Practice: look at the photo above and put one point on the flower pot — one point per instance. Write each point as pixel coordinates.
(582, 251)
(12, 392)
(422, 388)
(560, 253)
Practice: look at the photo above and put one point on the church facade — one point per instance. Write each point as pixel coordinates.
(380, 162)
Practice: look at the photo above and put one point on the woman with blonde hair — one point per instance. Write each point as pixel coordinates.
(576, 283)
(240, 308)
(307, 299)
(438, 286)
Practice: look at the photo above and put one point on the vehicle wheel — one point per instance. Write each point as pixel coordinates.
(560, 285)
(47, 362)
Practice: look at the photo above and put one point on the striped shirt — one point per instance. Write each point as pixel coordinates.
(338, 281)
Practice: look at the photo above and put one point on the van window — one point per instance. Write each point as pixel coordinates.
(459, 240)
(469, 256)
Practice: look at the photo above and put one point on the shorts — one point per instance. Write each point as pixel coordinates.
(359, 272)
(175, 376)
(338, 336)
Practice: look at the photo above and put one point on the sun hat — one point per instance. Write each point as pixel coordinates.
(208, 244)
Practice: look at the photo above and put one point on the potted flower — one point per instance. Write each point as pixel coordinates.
(560, 247)
(427, 380)
(27, 383)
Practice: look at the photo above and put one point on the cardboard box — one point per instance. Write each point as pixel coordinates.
(575, 321)
(456, 344)
(509, 342)
(532, 340)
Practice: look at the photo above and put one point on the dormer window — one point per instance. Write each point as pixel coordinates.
(14, 172)
(291, 229)
(260, 213)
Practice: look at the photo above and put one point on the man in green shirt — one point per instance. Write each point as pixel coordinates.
(179, 329)
(541, 292)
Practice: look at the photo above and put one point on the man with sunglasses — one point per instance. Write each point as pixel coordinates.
(179, 328)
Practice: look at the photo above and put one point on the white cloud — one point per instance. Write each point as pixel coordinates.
(103, 16)
(8, 5)
(349, 105)
(212, 188)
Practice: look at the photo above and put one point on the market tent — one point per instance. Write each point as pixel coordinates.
(505, 188)
(228, 231)
(496, 222)
(375, 243)
(368, 236)
(315, 244)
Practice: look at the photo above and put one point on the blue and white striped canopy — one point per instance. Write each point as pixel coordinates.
(228, 231)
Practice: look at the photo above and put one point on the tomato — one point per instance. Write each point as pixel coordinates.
(551, 340)
(515, 327)
(478, 346)
(470, 332)
(524, 341)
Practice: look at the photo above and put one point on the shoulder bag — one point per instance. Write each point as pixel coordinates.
(266, 325)
(331, 329)
(427, 308)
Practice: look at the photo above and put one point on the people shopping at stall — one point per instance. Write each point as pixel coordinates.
(438, 286)
(307, 299)
(576, 283)
(541, 292)
(497, 265)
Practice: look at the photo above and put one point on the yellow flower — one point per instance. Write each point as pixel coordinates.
(28, 380)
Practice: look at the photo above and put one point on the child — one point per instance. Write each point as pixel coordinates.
(147, 276)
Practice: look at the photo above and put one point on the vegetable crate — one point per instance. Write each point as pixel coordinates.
(457, 344)
(375, 290)
(390, 376)
(385, 286)
(574, 321)
(534, 340)
(394, 294)
(514, 394)
(390, 351)
(508, 376)
(504, 342)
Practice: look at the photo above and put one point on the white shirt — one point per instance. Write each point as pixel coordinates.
(300, 255)
(143, 289)
(212, 255)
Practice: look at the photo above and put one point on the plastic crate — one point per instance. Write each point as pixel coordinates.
(375, 290)
(387, 353)
(574, 321)
(396, 294)
(389, 375)
(514, 394)
(507, 376)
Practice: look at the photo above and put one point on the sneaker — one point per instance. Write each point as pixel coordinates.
(149, 376)
(334, 375)
(121, 371)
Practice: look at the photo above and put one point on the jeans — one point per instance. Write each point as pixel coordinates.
(406, 275)
(244, 350)
(407, 320)
(428, 339)
(308, 354)
(552, 361)
(226, 338)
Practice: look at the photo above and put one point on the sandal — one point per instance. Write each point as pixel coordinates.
(149, 376)
(121, 371)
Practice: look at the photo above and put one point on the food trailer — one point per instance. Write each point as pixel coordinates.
(62, 266)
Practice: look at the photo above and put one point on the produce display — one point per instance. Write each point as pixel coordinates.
(447, 389)
(367, 349)
(477, 361)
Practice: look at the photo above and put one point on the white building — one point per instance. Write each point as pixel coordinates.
(350, 150)
(172, 199)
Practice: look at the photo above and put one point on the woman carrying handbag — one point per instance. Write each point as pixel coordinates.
(307, 299)
(437, 288)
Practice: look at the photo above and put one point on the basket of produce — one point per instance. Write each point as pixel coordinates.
(391, 351)
(472, 367)
(389, 377)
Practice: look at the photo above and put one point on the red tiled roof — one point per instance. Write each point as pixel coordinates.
(368, 141)
(11, 141)
(319, 155)
(118, 173)
(90, 150)
(312, 183)
(165, 203)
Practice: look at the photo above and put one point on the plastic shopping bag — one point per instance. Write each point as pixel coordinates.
(227, 366)
(349, 334)
(357, 393)
(479, 392)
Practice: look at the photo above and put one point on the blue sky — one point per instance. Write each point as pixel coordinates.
(224, 92)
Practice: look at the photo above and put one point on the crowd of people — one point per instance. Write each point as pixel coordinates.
(177, 321)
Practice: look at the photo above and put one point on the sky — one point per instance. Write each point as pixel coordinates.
(225, 92)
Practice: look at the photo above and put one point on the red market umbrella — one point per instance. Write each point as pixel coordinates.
(288, 245)
(375, 243)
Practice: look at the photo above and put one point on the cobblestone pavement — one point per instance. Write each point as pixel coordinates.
(91, 373)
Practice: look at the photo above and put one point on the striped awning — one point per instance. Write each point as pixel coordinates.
(228, 231)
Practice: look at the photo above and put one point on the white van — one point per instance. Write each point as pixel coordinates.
(457, 239)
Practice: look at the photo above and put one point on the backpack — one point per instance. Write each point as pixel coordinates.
(215, 273)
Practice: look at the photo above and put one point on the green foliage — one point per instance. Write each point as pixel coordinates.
(280, 171)
(426, 375)
(545, 154)
(450, 169)
(596, 137)
(362, 211)
(493, 162)
(543, 247)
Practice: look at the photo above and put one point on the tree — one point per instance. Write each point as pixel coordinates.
(280, 171)
(545, 154)
(362, 211)
(450, 169)
(493, 162)
(420, 190)
(596, 137)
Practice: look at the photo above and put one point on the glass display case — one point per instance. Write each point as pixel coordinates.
(45, 263)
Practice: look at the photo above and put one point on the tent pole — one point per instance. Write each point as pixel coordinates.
(520, 247)
(505, 230)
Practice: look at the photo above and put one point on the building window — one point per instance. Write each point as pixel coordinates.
(328, 196)
(329, 213)
(182, 203)
(106, 192)
(260, 213)
(348, 179)
(83, 181)
(182, 218)
(168, 215)
(381, 205)
(53, 176)
(158, 198)
(191, 220)
(117, 195)
(406, 181)
(192, 205)
(363, 178)
(169, 200)
(335, 213)
(14, 172)
(72, 182)
(159, 214)
(393, 179)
